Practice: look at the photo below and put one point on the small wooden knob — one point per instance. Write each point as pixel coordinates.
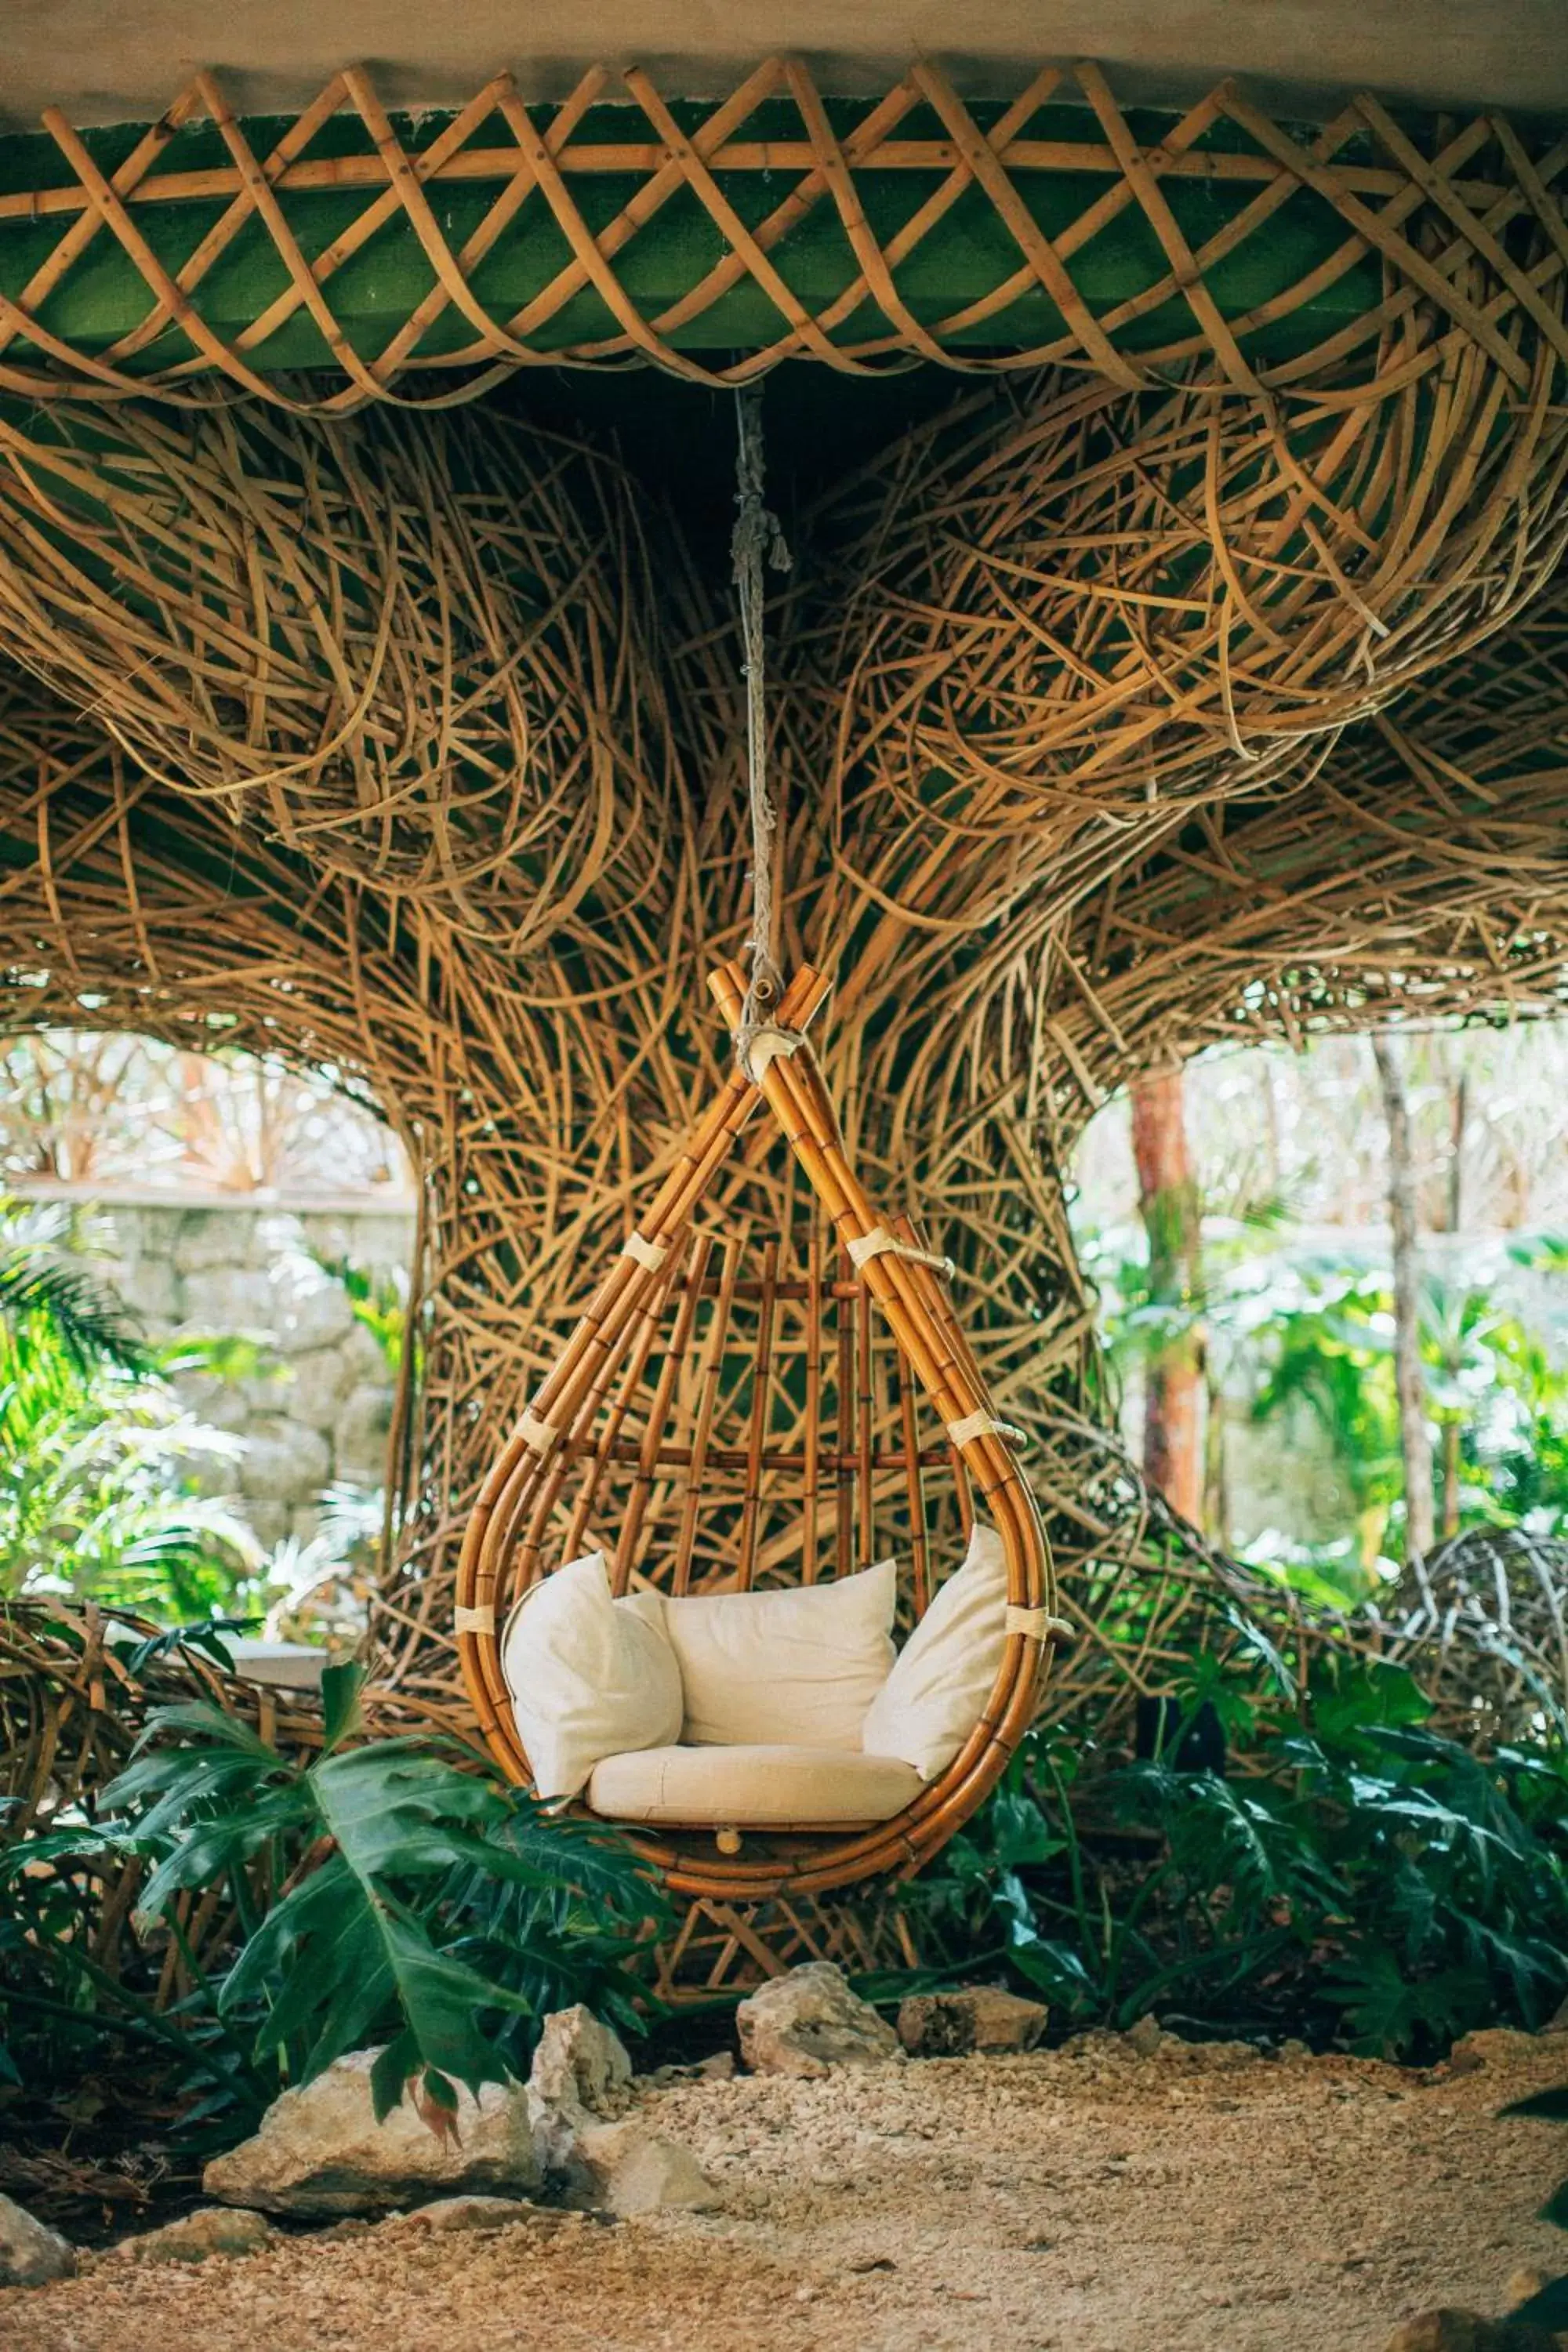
(728, 1841)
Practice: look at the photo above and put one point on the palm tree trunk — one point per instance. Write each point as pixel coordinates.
(1168, 1204)
(1414, 1445)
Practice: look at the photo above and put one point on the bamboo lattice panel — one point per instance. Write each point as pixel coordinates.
(716, 241)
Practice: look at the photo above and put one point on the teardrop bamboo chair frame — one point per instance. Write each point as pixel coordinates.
(573, 1432)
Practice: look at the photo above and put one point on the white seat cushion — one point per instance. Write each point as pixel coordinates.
(752, 1788)
(937, 1691)
(794, 1668)
(589, 1676)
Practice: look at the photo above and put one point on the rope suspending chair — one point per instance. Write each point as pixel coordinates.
(735, 1411)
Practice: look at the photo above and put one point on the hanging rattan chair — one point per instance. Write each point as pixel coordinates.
(742, 1408)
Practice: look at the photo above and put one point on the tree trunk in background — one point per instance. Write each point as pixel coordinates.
(1414, 1445)
(1451, 1427)
(1168, 1204)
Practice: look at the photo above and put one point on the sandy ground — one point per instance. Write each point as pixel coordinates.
(1083, 2199)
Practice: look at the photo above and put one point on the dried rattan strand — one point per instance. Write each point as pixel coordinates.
(718, 1335)
(756, 1436)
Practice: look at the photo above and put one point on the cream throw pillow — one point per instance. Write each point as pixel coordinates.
(589, 1676)
(934, 1696)
(794, 1668)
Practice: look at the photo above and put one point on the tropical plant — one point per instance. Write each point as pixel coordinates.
(1500, 1403)
(1360, 1878)
(99, 1460)
(1328, 1347)
(378, 1296)
(319, 1588)
(98, 1490)
(389, 1894)
(50, 1296)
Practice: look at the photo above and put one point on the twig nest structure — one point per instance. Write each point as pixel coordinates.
(346, 735)
(1070, 615)
(1484, 1620)
(413, 650)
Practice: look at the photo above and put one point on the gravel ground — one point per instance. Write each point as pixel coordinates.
(1084, 2199)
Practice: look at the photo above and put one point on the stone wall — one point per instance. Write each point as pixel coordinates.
(320, 1409)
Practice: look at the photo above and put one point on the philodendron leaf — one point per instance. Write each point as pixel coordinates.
(345, 1958)
(341, 1965)
(383, 1896)
(340, 1688)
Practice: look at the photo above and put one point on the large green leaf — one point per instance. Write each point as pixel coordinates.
(341, 1964)
(1548, 2308)
(420, 1905)
(1551, 2105)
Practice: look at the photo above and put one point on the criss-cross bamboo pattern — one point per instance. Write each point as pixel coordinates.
(620, 226)
(1204, 683)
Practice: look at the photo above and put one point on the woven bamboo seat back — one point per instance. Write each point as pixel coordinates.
(756, 1401)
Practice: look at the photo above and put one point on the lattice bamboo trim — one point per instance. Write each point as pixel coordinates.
(1176, 261)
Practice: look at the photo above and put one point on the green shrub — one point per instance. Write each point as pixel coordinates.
(388, 1893)
(1354, 1877)
(1548, 2308)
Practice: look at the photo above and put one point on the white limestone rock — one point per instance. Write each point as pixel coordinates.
(643, 2172)
(448, 2214)
(594, 2152)
(31, 2254)
(807, 2022)
(581, 2076)
(320, 2149)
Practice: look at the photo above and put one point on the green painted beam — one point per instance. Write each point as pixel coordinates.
(967, 256)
